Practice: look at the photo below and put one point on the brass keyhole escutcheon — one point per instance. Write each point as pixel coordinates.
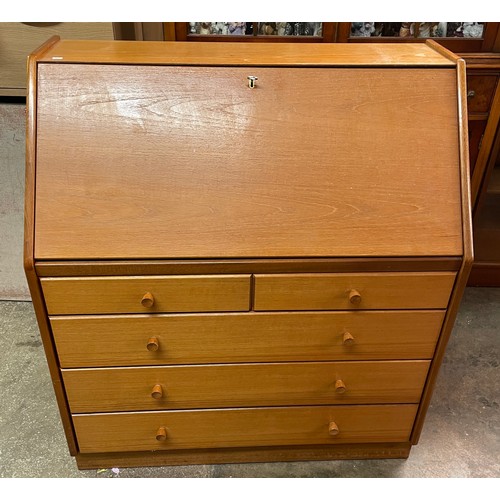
(252, 81)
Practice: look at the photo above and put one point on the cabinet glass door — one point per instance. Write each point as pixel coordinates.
(290, 29)
(456, 36)
(220, 28)
(256, 31)
(418, 30)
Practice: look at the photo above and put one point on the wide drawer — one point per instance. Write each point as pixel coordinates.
(255, 384)
(92, 341)
(139, 294)
(353, 291)
(184, 429)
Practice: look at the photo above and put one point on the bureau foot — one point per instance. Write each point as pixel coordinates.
(243, 455)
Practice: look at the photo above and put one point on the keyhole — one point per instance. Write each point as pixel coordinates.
(252, 81)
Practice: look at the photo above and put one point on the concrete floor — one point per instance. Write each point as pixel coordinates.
(13, 284)
(460, 436)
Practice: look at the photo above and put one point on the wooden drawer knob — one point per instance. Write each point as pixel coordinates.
(333, 429)
(354, 297)
(147, 300)
(157, 392)
(153, 344)
(161, 434)
(347, 339)
(340, 387)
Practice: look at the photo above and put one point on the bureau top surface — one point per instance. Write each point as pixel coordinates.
(244, 54)
(152, 161)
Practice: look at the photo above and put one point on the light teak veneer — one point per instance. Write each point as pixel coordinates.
(225, 273)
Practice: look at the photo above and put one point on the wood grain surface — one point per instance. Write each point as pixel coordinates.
(28, 249)
(245, 54)
(440, 49)
(123, 294)
(332, 291)
(244, 385)
(91, 341)
(142, 155)
(184, 162)
(109, 432)
(244, 266)
(239, 455)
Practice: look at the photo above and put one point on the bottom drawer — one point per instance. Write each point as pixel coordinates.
(163, 430)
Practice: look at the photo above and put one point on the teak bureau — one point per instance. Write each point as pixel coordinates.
(245, 252)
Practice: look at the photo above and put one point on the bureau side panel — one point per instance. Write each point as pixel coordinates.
(468, 254)
(29, 230)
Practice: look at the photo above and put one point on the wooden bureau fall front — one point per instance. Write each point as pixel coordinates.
(245, 252)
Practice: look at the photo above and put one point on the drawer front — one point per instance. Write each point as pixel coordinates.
(480, 89)
(353, 291)
(91, 341)
(141, 294)
(111, 432)
(219, 386)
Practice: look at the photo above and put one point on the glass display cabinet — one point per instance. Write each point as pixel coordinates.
(251, 31)
(456, 36)
(483, 86)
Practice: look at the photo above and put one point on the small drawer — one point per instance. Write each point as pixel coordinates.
(240, 385)
(137, 339)
(139, 294)
(275, 292)
(303, 425)
(480, 90)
